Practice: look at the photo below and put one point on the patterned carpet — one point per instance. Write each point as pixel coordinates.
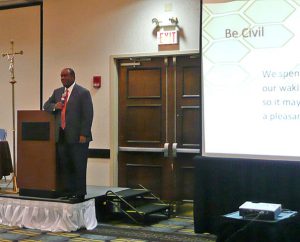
(173, 229)
(179, 229)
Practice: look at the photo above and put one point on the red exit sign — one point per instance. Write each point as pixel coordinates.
(167, 37)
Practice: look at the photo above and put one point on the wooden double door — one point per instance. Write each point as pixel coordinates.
(159, 124)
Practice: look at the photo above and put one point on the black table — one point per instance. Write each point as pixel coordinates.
(223, 184)
(5, 159)
(234, 228)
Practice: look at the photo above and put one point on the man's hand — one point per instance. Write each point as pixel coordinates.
(82, 139)
(59, 105)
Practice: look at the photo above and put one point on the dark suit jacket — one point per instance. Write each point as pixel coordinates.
(79, 113)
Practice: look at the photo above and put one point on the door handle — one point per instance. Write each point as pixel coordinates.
(164, 150)
(186, 150)
(141, 149)
(176, 150)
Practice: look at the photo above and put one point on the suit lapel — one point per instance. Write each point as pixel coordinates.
(72, 98)
(60, 93)
(73, 95)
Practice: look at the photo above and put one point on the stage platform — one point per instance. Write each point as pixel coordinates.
(96, 192)
(54, 214)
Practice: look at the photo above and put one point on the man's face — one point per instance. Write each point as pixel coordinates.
(66, 78)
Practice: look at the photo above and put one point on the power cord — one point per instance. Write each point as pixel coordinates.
(245, 226)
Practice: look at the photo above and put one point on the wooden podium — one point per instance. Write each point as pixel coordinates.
(36, 167)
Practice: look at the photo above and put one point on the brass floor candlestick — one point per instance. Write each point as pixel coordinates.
(11, 58)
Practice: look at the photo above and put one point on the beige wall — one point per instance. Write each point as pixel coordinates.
(22, 26)
(25, 34)
(84, 34)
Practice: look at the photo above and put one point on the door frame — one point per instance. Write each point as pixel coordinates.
(114, 104)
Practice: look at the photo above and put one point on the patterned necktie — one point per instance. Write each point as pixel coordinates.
(63, 111)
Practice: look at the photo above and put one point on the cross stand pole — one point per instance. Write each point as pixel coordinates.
(11, 58)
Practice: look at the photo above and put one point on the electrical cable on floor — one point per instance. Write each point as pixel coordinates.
(244, 227)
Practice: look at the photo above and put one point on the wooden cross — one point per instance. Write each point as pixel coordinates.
(11, 58)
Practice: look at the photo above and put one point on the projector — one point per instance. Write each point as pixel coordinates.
(267, 211)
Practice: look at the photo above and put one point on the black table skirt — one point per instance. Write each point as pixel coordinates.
(5, 159)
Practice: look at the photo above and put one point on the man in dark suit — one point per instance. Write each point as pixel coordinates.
(73, 110)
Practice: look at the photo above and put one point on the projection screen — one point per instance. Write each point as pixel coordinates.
(251, 79)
